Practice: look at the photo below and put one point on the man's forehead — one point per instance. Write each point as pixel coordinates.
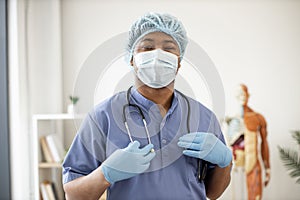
(153, 40)
(158, 36)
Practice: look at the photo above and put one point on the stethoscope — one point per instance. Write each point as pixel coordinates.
(202, 165)
(142, 115)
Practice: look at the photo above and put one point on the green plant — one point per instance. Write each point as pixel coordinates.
(74, 99)
(291, 158)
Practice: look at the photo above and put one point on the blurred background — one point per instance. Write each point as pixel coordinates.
(48, 41)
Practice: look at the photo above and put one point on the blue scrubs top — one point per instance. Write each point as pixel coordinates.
(171, 174)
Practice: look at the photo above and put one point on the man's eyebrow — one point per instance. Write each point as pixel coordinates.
(169, 41)
(147, 40)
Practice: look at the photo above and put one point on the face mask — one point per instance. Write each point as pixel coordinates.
(156, 68)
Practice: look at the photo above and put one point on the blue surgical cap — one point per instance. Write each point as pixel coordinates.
(155, 22)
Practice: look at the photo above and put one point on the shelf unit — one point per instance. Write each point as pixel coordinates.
(42, 125)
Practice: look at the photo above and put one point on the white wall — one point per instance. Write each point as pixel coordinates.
(44, 56)
(256, 43)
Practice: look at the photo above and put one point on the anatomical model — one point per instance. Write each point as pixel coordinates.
(244, 133)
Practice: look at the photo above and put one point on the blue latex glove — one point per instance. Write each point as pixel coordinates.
(128, 162)
(206, 146)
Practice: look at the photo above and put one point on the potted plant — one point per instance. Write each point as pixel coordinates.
(291, 158)
(72, 106)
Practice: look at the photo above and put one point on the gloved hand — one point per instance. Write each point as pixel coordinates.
(128, 162)
(206, 146)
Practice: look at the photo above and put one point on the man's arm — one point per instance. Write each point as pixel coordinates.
(87, 187)
(120, 165)
(217, 181)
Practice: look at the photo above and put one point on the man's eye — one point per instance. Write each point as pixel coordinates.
(147, 48)
(169, 49)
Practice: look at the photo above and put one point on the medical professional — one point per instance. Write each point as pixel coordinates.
(151, 141)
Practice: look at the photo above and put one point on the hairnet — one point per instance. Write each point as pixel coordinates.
(155, 22)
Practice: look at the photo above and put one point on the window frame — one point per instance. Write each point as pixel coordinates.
(5, 186)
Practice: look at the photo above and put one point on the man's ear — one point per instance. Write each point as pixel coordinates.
(132, 64)
(131, 61)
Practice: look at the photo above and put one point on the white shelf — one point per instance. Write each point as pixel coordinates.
(49, 165)
(57, 116)
(38, 166)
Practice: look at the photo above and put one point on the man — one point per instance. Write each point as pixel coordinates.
(243, 132)
(146, 143)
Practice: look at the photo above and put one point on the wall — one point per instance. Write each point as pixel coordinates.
(256, 43)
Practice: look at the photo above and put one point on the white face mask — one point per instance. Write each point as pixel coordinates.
(156, 68)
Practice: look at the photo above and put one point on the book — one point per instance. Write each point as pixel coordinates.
(44, 191)
(56, 147)
(54, 190)
(47, 191)
(50, 191)
(45, 150)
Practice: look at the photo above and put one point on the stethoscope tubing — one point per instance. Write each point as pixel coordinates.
(202, 165)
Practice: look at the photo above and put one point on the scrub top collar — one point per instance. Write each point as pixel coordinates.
(140, 100)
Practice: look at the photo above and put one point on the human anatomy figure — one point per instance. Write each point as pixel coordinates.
(244, 131)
